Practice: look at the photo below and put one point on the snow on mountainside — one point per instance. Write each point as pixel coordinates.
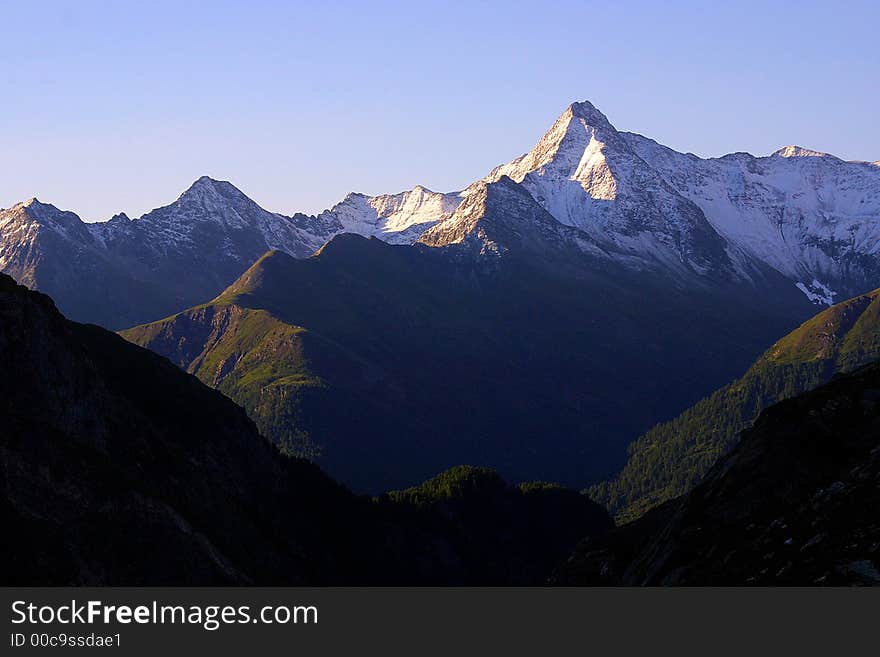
(55, 252)
(186, 252)
(213, 204)
(396, 218)
(208, 205)
(587, 176)
(23, 227)
(809, 215)
(21, 224)
(498, 216)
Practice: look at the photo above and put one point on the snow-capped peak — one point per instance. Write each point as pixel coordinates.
(396, 218)
(799, 151)
(809, 215)
(572, 148)
(209, 201)
(205, 188)
(32, 202)
(23, 223)
(585, 174)
(201, 186)
(44, 213)
(588, 112)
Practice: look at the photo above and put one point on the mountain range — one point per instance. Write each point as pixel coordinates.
(555, 309)
(805, 217)
(563, 293)
(123, 272)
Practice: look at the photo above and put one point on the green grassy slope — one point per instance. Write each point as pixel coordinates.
(250, 356)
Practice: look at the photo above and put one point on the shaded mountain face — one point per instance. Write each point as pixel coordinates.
(389, 363)
(54, 251)
(794, 503)
(124, 272)
(672, 457)
(487, 519)
(116, 468)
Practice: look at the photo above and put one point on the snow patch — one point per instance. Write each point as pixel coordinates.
(817, 293)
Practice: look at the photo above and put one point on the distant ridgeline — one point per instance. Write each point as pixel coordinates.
(808, 217)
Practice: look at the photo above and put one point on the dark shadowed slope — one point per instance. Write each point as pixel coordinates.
(57, 253)
(389, 363)
(672, 457)
(795, 502)
(507, 534)
(118, 468)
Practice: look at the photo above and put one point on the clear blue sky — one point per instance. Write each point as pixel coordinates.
(119, 106)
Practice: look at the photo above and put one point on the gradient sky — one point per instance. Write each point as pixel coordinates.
(119, 106)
